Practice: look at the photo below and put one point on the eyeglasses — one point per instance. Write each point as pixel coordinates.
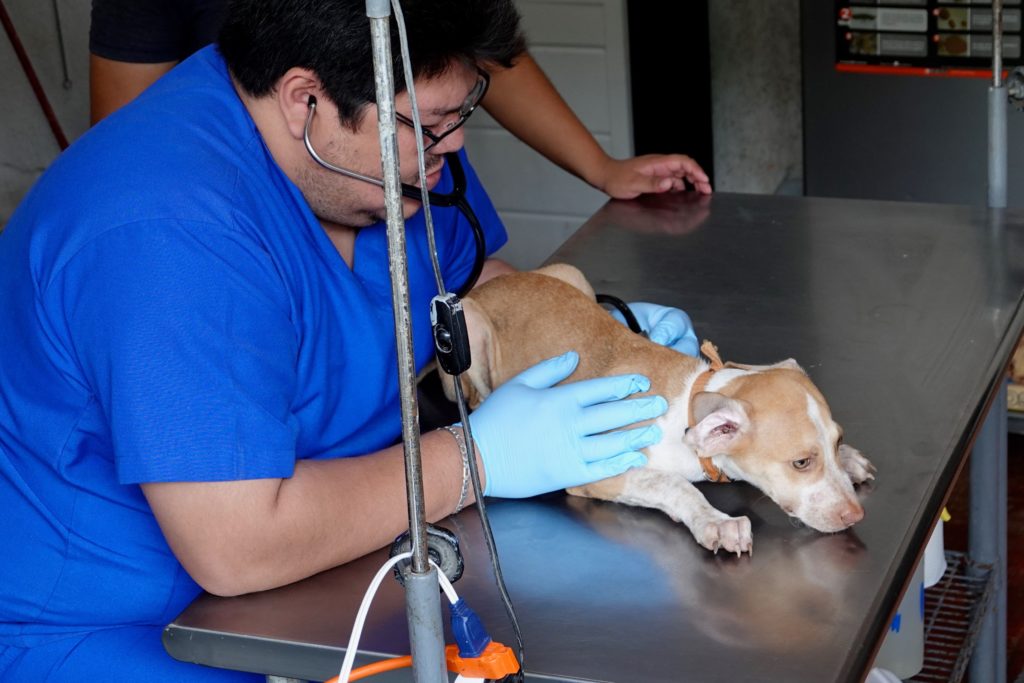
(469, 105)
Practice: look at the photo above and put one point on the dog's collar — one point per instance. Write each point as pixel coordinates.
(711, 471)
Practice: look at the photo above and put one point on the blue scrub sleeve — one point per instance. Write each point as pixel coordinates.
(184, 334)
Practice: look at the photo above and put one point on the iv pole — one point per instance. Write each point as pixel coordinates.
(422, 597)
(987, 516)
(997, 97)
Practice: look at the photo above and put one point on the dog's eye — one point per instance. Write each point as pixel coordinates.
(801, 464)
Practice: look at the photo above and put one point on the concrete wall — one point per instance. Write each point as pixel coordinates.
(755, 90)
(27, 146)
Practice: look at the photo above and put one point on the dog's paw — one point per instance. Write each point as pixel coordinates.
(731, 534)
(855, 464)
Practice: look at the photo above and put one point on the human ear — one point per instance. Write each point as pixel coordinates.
(293, 93)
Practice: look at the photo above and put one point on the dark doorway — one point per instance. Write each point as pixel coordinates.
(670, 74)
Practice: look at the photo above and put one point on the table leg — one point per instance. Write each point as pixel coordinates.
(987, 540)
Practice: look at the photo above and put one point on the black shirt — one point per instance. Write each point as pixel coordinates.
(153, 31)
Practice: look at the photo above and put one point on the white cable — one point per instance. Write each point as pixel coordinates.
(364, 608)
(449, 590)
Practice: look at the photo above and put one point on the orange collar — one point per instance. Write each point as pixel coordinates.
(710, 351)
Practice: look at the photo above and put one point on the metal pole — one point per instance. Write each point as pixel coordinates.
(423, 601)
(997, 98)
(987, 537)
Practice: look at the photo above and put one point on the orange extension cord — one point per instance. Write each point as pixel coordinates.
(377, 668)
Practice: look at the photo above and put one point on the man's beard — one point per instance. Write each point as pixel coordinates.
(332, 200)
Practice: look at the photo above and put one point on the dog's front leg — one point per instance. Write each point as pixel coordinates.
(855, 464)
(674, 495)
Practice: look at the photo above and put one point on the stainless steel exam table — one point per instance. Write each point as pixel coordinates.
(905, 316)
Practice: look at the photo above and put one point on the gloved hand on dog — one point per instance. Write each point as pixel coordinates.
(534, 437)
(665, 325)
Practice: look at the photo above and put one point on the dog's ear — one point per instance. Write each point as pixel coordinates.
(788, 364)
(718, 422)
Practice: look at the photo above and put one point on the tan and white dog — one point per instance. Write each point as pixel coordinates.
(767, 425)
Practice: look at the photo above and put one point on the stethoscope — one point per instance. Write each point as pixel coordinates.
(456, 198)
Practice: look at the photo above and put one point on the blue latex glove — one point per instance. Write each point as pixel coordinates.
(665, 325)
(534, 437)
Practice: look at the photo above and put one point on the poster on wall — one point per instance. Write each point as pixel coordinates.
(940, 37)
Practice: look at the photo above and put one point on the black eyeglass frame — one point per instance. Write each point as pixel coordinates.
(469, 105)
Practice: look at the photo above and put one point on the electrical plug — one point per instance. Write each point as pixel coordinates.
(476, 656)
(468, 630)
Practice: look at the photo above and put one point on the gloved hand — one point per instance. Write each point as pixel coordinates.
(534, 437)
(665, 325)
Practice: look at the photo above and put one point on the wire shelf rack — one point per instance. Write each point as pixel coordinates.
(952, 615)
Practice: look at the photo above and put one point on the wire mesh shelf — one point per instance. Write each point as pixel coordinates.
(952, 616)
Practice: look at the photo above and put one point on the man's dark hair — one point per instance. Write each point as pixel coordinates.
(262, 39)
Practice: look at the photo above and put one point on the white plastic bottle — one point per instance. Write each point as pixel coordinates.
(902, 651)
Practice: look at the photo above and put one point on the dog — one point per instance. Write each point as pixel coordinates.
(767, 425)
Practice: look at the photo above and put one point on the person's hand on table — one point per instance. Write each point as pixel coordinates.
(664, 325)
(534, 437)
(651, 173)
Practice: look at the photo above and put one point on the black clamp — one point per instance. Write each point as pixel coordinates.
(451, 338)
(442, 549)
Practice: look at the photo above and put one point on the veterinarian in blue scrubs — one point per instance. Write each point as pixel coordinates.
(198, 384)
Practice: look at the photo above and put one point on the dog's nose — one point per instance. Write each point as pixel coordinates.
(851, 514)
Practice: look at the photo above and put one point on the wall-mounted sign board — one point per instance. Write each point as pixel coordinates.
(928, 37)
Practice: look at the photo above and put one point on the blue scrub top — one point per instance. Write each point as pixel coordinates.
(171, 310)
